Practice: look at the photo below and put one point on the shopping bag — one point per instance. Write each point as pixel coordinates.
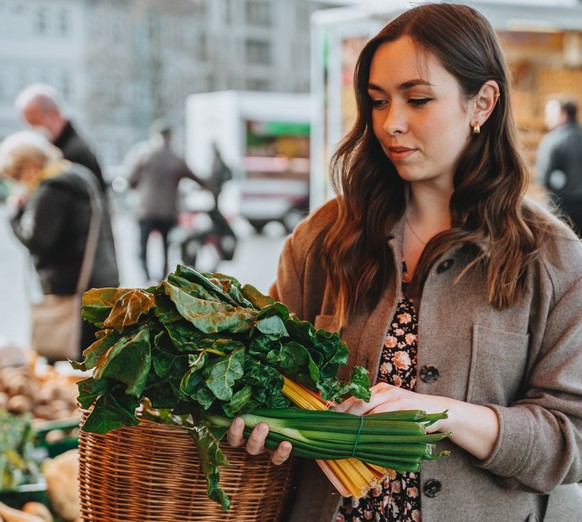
(56, 327)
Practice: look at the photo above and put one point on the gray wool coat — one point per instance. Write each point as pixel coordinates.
(525, 362)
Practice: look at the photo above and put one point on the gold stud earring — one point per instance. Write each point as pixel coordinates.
(476, 128)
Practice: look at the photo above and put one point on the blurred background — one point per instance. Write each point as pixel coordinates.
(266, 82)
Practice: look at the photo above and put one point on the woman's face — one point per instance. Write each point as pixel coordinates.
(26, 173)
(418, 114)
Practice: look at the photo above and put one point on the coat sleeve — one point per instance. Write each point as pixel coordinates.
(546, 161)
(41, 221)
(135, 173)
(189, 173)
(540, 441)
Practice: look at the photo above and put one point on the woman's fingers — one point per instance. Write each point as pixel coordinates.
(385, 397)
(282, 453)
(235, 434)
(256, 441)
(380, 394)
(255, 444)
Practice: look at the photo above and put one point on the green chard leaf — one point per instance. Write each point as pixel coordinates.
(94, 353)
(90, 390)
(256, 298)
(211, 457)
(131, 364)
(223, 373)
(210, 316)
(238, 401)
(196, 277)
(231, 287)
(296, 362)
(116, 307)
(272, 325)
(113, 410)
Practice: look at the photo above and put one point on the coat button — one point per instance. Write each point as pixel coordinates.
(429, 373)
(445, 265)
(432, 488)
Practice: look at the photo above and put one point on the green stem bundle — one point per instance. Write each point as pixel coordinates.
(395, 440)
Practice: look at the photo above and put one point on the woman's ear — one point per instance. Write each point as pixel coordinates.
(484, 103)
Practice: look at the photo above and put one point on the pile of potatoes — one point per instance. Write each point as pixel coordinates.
(50, 396)
(46, 396)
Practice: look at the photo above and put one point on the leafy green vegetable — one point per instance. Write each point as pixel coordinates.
(18, 463)
(201, 345)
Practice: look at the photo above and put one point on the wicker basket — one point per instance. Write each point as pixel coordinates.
(151, 472)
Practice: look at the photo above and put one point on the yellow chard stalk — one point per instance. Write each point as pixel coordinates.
(351, 477)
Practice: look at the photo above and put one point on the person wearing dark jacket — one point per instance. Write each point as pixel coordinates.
(40, 106)
(559, 158)
(53, 214)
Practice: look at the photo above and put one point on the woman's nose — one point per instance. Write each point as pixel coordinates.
(395, 121)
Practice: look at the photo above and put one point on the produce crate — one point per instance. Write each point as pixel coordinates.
(152, 472)
(67, 439)
(16, 498)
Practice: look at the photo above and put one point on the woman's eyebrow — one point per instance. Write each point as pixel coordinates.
(403, 86)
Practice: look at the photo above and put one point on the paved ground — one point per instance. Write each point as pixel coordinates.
(255, 262)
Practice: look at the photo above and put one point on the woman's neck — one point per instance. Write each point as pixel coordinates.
(426, 215)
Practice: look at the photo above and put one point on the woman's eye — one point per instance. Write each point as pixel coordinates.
(379, 103)
(419, 102)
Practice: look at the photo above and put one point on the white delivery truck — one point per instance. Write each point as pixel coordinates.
(264, 137)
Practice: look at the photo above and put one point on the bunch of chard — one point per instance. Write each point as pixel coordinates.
(198, 350)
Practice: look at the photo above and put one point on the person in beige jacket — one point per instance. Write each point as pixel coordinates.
(452, 288)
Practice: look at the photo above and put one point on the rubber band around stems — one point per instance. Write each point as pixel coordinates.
(358, 435)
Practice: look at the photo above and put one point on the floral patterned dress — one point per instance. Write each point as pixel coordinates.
(398, 499)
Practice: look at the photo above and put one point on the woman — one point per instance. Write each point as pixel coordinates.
(455, 291)
(52, 217)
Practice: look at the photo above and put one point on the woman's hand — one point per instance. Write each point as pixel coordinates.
(473, 427)
(256, 441)
(16, 200)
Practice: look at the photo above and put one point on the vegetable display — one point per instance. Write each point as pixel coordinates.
(199, 349)
(18, 463)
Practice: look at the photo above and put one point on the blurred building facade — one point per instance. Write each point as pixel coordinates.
(120, 64)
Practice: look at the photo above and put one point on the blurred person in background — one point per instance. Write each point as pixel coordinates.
(52, 213)
(559, 158)
(41, 108)
(452, 288)
(156, 175)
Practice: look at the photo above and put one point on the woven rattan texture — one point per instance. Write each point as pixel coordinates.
(151, 472)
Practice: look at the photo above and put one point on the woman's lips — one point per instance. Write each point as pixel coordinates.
(399, 153)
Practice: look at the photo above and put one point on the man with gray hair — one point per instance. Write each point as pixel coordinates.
(41, 108)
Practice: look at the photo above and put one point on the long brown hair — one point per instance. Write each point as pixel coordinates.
(489, 182)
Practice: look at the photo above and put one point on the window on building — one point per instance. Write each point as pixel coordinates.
(202, 46)
(258, 13)
(258, 52)
(228, 12)
(40, 21)
(198, 6)
(66, 86)
(64, 22)
(258, 84)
